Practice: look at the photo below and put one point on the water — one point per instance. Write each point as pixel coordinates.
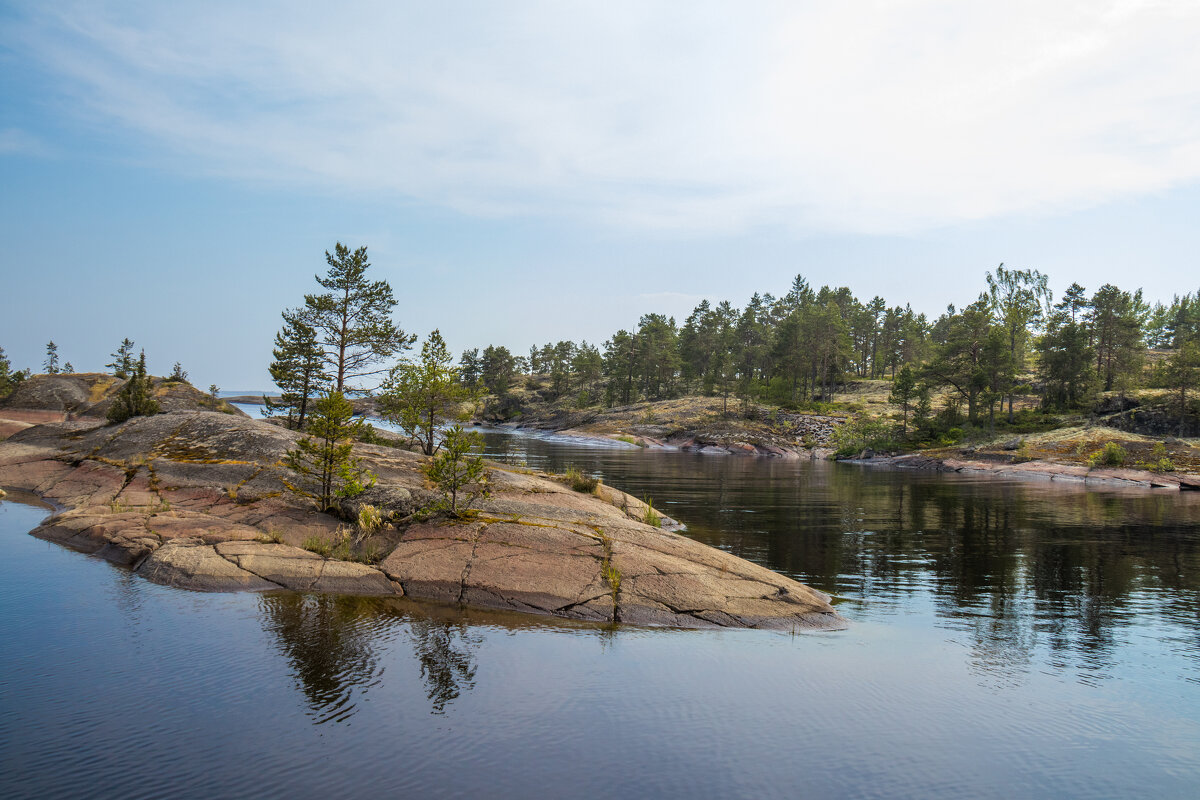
(1006, 640)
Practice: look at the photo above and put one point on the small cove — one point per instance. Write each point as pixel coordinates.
(1006, 638)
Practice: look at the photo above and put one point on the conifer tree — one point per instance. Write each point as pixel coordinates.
(178, 374)
(421, 396)
(1183, 372)
(352, 319)
(297, 369)
(51, 364)
(469, 370)
(325, 468)
(1065, 354)
(136, 398)
(69, 368)
(122, 360)
(458, 472)
(497, 367)
(904, 389)
(1116, 327)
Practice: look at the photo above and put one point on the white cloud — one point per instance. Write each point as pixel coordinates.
(863, 116)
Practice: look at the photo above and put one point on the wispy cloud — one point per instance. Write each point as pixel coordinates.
(866, 116)
(14, 141)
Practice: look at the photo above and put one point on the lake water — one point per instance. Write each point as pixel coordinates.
(1006, 640)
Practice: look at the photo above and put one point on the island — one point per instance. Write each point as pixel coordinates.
(195, 498)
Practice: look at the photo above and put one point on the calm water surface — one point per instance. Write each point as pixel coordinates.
(1006, 640)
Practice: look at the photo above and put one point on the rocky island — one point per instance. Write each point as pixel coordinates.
(196, 499)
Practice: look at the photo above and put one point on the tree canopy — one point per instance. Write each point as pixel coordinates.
(352, 319)
(422, 395)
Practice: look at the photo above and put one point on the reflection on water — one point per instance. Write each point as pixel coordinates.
(1007, 640)
(445, 651)
(330, 644)
(332, 647)
(1016, 567)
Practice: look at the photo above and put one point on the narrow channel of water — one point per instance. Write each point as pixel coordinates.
(1007, 640)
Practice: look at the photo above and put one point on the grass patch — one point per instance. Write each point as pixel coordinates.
(318, 545)
(580, 482)
(370, 520)
(271, 536)
(100, 389)
(611, 575)
(651, 517)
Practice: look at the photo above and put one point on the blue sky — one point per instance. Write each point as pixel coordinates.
(522, 173)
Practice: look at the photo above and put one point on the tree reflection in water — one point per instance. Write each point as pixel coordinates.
(335, 646)
(446, 652)
(330, 642)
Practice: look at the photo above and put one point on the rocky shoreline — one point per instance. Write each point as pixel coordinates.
(194, 499)
(1036, 470)
(707, 443)
(1000, 465)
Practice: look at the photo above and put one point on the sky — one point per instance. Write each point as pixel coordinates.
(527, 172)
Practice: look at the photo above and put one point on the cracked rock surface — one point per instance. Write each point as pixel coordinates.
(194, 499)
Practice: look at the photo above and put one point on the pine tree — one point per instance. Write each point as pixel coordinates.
(297, 368)
(421, 396)
(457, 472)
(497, 368)
(1065, 354)
(904, 389)
(1116, 325)
(136, 398)
(178, 374)
(68, 368)
(122, 360)
(353, 318)
(51, 364)
(325, 468)
(469, 368)
(1183, 372)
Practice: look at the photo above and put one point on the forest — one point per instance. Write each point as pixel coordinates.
(974, 365)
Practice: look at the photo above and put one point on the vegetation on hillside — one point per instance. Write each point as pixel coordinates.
(1011, 360)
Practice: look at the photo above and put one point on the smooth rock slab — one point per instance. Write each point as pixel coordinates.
(201, 568)
(302, 571)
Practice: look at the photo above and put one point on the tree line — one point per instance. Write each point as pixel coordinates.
(800, 349)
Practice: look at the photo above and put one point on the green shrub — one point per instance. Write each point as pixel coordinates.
(1159, 461)
(1111, 455)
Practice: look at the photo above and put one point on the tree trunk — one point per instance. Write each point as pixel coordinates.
(1182, 407)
